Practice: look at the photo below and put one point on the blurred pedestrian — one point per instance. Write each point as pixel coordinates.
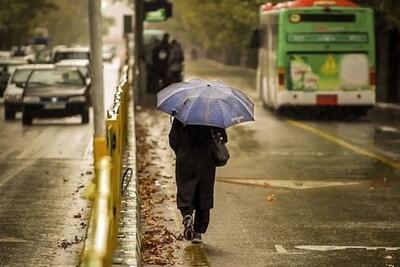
(195, 174)
(161, 60)
(194, 54)
(153, 79)
(175, 62)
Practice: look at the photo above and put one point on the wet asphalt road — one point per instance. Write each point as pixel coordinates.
(44, 168)
(303, 192)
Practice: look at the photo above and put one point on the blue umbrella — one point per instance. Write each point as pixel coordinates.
(199, 102)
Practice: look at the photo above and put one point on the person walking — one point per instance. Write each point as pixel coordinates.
(153, 79)
(175, 62)
(195, 174)
(161, 56)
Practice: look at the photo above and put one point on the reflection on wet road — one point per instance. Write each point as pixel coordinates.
(195, 255)
(291, 185)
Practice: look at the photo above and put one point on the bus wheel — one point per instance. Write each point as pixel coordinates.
(281, 111)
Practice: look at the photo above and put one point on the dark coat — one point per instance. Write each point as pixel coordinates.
(195, 167)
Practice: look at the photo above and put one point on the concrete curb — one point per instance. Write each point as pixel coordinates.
(127, 252)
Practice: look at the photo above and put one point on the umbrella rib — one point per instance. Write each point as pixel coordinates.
(245, 105)
(188, 113)
(175, 92)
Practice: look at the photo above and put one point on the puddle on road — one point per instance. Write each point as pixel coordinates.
(195, 255)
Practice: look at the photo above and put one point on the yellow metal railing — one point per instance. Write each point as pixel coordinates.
(103, 227)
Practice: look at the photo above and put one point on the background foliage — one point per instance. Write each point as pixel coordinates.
(222, 28)
(65, 20)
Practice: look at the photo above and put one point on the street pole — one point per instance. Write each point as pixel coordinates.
(97, 88)
(138, 40)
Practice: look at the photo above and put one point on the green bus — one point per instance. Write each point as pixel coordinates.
(316, 53)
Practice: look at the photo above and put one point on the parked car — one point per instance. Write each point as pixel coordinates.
(62, 52)
(15, 88)
(7, 67)
(54, 93)
(25, 52)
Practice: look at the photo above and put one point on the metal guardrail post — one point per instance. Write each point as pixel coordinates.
(97, 249)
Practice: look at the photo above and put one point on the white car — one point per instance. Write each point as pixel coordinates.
(62, 53)
(83, 66)
(15, 88)
(7, 67)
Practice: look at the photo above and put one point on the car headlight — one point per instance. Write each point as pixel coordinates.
(77, 99)
(11, 97)
(31, 99)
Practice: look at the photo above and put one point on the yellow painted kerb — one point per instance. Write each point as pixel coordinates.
(345, 144)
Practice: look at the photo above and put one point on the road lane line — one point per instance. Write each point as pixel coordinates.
(281, 249)
(345, 144)
(332, 248)
(15, 172)
(292, 184)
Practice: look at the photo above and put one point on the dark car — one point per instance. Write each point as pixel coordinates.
(55, 93)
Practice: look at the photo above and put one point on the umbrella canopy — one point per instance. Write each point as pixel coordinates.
(200, 102)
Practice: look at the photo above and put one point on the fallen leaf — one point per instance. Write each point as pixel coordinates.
(271, 197)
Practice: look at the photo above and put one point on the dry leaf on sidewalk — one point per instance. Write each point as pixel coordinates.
(271, 197)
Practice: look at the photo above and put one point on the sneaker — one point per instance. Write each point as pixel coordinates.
(197, 238)
(187, 222)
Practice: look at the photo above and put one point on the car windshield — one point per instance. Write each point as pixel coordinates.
(20, 76)
(7, 68)
(56, 77)
(84, 71)
(70, 55)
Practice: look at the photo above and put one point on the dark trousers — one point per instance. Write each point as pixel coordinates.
(201, 219)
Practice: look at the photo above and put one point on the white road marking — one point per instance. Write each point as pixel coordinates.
(388, 129)
(280, 249)
(15, 171)
(291, 184)
(331, 248)
(293, 154)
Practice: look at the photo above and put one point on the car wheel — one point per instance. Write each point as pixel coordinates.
(9, 114)
(26, 119)
(85, 116)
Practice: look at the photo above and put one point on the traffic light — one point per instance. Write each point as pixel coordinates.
(157, 10)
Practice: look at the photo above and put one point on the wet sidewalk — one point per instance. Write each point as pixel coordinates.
(160, 219)
(286, 198)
